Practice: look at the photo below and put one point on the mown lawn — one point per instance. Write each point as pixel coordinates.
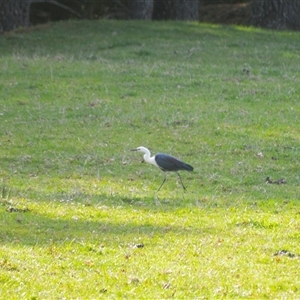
(80, 215)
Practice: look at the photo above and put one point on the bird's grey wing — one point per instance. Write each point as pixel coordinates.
(167, 162)
(170, 163)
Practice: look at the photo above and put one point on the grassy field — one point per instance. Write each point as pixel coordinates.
(80, 215)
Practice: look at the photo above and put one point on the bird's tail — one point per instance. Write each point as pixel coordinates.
(188, 167)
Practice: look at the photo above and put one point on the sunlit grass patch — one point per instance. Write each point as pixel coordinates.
(80, 214)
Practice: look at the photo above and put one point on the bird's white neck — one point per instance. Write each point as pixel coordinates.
(148, 158)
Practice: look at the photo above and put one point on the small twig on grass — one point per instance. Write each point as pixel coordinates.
(278, 181)
(286, 253)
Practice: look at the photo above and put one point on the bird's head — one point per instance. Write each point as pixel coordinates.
(146, 152)
(140, 149)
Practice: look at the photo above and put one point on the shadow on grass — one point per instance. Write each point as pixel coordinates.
(90, 194)
(30, 227)
(130, 34)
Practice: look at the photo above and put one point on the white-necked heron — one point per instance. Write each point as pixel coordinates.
(166, 163)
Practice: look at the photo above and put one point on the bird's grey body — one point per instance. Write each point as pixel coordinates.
(165, 162)
(169, 163)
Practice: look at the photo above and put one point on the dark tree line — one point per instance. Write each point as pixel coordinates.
(15, 13)
(275, 14)
(164, 9)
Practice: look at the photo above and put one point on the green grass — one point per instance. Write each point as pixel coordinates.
(80, 217)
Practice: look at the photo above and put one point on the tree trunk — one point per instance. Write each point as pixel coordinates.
(163, 10)
(183, 10)
(276, 14)
(141, 9)
(14, 14)
(186, 10)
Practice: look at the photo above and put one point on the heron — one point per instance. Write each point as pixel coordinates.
(166, 163)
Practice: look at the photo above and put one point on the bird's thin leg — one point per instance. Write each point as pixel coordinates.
(181, 181)
(162, 182)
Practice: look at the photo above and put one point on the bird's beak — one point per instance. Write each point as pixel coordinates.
(133, 149)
